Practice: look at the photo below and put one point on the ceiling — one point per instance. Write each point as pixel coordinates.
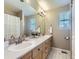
(16, 5)
(51, 4)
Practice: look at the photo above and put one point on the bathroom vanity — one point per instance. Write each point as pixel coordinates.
(39, 49)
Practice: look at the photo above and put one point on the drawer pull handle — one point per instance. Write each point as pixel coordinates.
(38, 49)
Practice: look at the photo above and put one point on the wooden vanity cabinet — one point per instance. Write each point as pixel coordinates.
(27, 56)
(40, 52)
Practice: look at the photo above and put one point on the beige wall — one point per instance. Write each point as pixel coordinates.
(8, 9)
(58, 35)
(33, 3)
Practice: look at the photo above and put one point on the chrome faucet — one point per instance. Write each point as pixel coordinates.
(16, 40)
(20, 39)
(11, 40)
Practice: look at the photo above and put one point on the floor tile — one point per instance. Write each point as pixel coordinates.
(57, 54)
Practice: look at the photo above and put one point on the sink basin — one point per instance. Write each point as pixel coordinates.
(20, 46)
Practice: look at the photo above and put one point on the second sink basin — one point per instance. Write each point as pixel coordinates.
(20, 46)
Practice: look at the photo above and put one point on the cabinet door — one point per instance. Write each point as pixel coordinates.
(37, 52)
(38, 56)
(46, 47)
(27, 56)
(45, 50)
(50, 44)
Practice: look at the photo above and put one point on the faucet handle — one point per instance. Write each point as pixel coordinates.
(12, 37)
(11, 41)
(23, 37)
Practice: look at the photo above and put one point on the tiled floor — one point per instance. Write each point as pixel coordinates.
(56, 54)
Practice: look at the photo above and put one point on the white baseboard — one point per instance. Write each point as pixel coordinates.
(60, 49)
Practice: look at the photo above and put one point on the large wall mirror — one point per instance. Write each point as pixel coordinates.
(13, 24)
(32, 23)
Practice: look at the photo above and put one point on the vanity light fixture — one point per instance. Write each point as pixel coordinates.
(41, 12)
(22, 0)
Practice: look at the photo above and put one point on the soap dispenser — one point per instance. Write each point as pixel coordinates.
(50, 29)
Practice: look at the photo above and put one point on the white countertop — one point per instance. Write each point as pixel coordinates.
(16, 54)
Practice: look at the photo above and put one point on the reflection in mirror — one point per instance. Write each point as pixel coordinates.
(12, 26)
(38, 29)
(30, 25)
(41, 23)
(34, 23)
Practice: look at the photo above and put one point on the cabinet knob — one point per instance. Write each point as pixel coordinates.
(38, 49)
(45, 47)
